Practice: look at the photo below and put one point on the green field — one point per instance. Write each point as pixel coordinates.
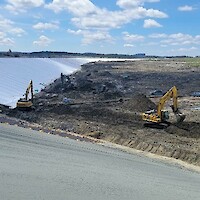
(193, 62)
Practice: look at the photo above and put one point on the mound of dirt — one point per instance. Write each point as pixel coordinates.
(139, 103)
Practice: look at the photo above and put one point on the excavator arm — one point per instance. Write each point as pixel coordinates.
(29, 89)
(172, 93)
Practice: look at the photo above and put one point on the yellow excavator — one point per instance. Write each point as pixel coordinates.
(160, 116)
(26, 103)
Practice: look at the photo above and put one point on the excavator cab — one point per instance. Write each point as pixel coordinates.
(165, 115)
(26, 103)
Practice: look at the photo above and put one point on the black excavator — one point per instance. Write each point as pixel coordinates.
(26, 103)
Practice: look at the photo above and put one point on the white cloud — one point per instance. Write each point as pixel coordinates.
(46, 26)
(152, 13)
(78, 32)
(152, 1)
(92, 36)
(178, 42)
(17, 6)
(94, 23)
(7, 26)
(8, 29)
(98, 36)
(7, 41)
(180, 36)
(4, 40)
(114, 19)
(76, 7)
(158, 35)
(88, 16)
(180, 39)
(2, 35)
(151, 44)
(193, 48)
(128, 45)
(184, 50)
(132, 37)
(26, 3)
(185, 8)
(17, 31)
(99, 21)
(197, 37)
(129, 4)
(150, 23)
(43, 41)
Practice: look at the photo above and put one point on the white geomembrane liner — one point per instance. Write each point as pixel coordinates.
(16, 73)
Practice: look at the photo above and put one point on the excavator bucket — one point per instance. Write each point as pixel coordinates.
(179, 117)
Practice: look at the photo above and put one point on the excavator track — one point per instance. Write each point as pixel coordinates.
(162, 125)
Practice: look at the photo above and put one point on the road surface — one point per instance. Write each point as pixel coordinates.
(37, 166)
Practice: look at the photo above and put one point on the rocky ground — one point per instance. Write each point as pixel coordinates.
(105, 100)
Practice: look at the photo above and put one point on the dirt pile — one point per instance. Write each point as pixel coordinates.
(140, 103)
(4, 108)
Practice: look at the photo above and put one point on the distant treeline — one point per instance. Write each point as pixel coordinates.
(56, 54)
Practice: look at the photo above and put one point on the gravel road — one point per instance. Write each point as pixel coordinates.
(37, 166)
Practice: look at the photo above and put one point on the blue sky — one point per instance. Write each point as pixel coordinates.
(154, 27)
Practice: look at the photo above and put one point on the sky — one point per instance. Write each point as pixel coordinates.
(153, 27)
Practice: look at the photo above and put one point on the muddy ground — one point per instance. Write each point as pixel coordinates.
(105, 100)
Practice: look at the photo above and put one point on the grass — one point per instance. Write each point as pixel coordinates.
(193, 62)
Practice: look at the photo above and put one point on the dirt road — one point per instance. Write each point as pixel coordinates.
(39, 166)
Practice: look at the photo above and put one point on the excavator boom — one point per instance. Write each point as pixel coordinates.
(29, 89)
(172, 93)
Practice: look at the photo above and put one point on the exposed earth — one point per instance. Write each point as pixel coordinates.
(105, 100)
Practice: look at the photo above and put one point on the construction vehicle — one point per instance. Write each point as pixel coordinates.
(154, 118)
(26, 103)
